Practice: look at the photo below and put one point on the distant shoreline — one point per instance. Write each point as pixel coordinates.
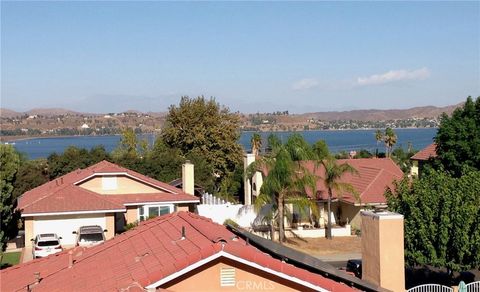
(9, 139)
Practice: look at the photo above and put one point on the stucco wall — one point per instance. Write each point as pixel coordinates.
(132, 214)
(110, 225)
(125, 185)
(382, 250)
(28, 231)
(207, 278)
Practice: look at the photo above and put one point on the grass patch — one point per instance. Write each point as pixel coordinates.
(9, 259)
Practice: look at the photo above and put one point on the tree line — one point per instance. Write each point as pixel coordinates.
(441, 207)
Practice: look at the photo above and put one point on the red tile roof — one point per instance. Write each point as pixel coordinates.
(144, 255)
(63, 194)
(426, 153)
(373, 177)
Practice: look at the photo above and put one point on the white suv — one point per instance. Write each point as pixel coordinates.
(90, 235)
(45, 245)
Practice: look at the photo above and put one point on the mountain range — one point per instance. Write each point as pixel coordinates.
(361, 115)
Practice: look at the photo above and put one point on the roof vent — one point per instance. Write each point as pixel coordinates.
(227, 277)
(37, 277)
(183, 233)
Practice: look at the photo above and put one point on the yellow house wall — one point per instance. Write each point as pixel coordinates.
(125, 185)
(28, 231)
(110, 225)
(132, 214)
(207, 278)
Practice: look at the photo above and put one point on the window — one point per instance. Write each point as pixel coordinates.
(150, 211)
(109, 183)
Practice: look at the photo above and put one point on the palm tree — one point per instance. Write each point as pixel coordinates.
(256, 142)
(379, 138)
(287, 179)
(333, 173)
(390, 140)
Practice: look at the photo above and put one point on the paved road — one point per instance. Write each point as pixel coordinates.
(339, 260)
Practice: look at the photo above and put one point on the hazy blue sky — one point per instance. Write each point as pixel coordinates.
(252, 56)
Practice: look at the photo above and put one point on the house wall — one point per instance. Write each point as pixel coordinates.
(186, 207)
(110, 225)
(28, 231)
(352, 213)
(125, 185)
(207, 278)
(132, 214)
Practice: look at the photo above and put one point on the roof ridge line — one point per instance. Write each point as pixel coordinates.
(376, 177)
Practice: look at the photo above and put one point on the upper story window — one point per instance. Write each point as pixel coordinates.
(109, 183)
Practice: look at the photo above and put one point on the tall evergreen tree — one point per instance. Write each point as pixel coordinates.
(9, 164)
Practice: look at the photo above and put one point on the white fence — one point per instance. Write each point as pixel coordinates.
(473, 287)
(430, 288)
(209, 199)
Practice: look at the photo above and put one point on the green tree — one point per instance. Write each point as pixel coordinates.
(287, 179)
(402, 159)
(9, 164)
(379, 138)
(30, 174)
(256, 142)
(458, 137)
(204, 127)
(333, 173)
(390, 139)
(442, 218)
(320, 149)
(74, 158)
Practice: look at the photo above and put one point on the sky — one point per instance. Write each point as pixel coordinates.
(251, 56)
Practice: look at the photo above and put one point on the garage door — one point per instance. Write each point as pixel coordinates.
(64, 225)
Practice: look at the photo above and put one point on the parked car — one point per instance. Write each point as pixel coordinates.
(45, 245)
(90, 235)
(355, 267)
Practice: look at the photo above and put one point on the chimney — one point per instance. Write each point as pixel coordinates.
(188, 181)
(383, 260)
(247, 160)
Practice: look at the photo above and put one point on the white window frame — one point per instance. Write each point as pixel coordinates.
(145, 210)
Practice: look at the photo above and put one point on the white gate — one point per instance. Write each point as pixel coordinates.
(430, 288)
(473, 287)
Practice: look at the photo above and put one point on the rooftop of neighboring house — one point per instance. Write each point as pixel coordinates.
(66, 194)
(425, 154)
(373, 176)
(153, 255)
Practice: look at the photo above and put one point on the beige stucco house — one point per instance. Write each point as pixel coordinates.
(103, 194)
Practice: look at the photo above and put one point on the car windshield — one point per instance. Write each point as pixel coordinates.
(48, 243)
(93, 237)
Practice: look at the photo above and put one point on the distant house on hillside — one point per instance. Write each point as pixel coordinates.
(421, 158)
(103, 194)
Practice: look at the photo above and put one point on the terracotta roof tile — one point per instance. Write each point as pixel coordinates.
(63, 195)
(426, 153)
(373, 177)
(145, 255)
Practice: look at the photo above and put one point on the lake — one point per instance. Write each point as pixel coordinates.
(336, 140)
